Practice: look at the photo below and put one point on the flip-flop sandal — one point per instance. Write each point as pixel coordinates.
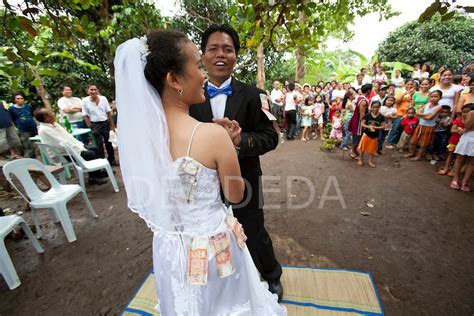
(354, 156)
(466, 188)
(360, 163)
(372, 165)
(442, 172)
(455, 185)
(451, 174)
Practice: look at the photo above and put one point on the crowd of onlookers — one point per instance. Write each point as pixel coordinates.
(20, 124)
(423, 116)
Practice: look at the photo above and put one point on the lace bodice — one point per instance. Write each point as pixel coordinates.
(205, 209)
(202, 210)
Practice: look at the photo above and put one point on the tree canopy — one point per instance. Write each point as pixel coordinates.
(435, 42)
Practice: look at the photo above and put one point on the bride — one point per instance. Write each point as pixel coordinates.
(174, 168)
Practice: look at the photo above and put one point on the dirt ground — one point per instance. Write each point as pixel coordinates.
(416, 240)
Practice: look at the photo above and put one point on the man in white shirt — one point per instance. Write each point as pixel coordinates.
(53, 134)
(338, 93)
(277, 100)
(98, 116)
(71, 107)
(367, 78)
(358, 82)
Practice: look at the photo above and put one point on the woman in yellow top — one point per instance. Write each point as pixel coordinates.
(437, 75)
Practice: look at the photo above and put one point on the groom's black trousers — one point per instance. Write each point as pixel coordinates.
(259, 242)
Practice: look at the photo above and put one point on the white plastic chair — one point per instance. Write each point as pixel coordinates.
(55, 199)
(7, 269)
(55, 158)
(83, 166)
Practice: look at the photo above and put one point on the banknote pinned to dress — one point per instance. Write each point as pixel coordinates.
(266, 107)
(237, 229)
(198, 261)
(220, 246)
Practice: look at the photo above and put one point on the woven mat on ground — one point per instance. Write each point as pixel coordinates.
(307, 291)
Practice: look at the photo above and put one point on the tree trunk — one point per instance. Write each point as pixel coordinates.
(300, 64)
(300, 53)
(41, 89)
(260, 67)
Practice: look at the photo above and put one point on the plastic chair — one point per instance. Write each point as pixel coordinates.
(55, 199)
(56, 158)
(7, 223)
(83, 166)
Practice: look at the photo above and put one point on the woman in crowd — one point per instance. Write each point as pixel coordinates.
(451, 91)
(420, 97)
(403, 101)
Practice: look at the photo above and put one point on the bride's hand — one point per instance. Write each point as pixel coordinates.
(232, 127)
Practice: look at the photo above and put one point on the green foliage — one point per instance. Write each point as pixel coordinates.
(199, 14)
(435, 42)
(340, 65)
(138, 17)
(329, 144)
(71, 42)
(304, 25)
(445, 9)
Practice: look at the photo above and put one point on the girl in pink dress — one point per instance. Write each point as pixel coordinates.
(336, 131)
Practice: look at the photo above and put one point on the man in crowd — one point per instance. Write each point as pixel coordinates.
(22, 116)
(53, 134)
(8, 138)
(366, 77)
(98, 116)
(358, 82)
(277, 101)
(338, 92)
(71, 107)
(380, 96)
(231, 101)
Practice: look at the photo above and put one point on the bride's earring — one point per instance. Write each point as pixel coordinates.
(180, 91)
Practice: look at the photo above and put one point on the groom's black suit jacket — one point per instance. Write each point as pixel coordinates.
(258, 135)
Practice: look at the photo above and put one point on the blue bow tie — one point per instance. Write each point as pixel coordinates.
(212, 91)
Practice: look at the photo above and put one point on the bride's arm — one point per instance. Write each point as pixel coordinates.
(227, 165)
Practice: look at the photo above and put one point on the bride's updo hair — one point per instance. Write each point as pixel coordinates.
(166, 55)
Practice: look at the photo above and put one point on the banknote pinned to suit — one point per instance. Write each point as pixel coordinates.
(220, 246)
(198, 261)
(266, 106)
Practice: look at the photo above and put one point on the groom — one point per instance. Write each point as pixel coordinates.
(229, 101)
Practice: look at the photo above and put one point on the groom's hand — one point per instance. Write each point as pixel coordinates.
(232, 127)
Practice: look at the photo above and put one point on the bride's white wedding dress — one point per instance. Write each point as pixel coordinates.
(240, 293)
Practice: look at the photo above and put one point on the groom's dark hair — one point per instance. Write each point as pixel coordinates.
(223, 28)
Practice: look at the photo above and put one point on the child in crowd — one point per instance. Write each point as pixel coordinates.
(307, 117)
(318, 115)
(336, 105)
(457, 130)
(390, 113)
(438, 150)
(373, 122)
(409, 124)
(465, 152)
(425, 131)
(346, 118)
(336, 131)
